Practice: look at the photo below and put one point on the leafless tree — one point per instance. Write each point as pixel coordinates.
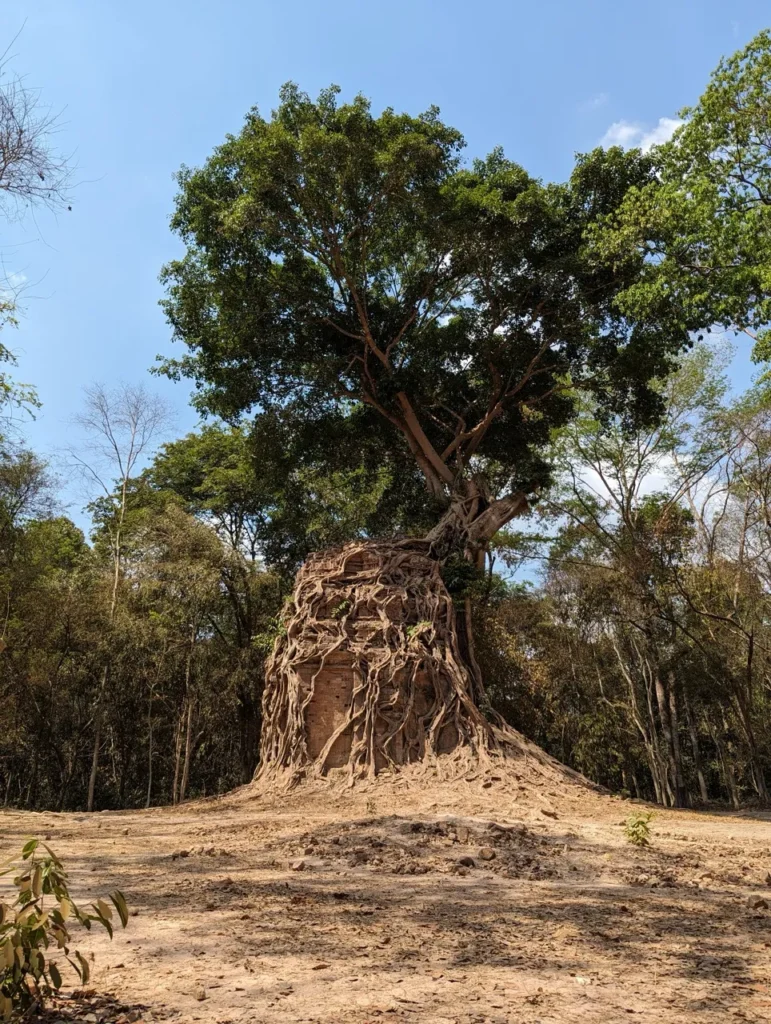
(121, 426)
(32, 171)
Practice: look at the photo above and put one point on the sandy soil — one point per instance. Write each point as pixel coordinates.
(330, 906)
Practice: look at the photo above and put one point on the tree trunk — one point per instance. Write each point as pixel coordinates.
(189, 726)
(177, 757)
(669, 744)
(188, 751)
(756, 763)
(725, 754)
(681, 790)
(249, 733)
(97, 741)
(149, 752)
(695, 749)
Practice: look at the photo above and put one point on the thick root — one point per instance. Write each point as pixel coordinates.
(369, 676)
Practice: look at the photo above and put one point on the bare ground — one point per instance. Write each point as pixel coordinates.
(328, 906)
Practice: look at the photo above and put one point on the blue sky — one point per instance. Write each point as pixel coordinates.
(144, 87)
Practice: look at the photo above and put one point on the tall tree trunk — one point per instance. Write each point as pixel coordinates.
(189, 726)
(744, 704)
(97, 739)
(725, 752)
(681, 789)
(669, 745)
(249, 733)
(177, 756)
(188, 751)
(661, 783)
(647, 730)
(693, 732)
(149, 751)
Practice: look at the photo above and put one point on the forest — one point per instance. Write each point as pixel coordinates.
(388, 340)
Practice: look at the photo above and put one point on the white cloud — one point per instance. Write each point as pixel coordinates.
(631, 133)
(594, 102)
(12, 285)
(622, 133)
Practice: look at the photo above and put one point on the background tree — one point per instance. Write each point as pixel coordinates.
(32, 174)
(121, 426)
(704, 222)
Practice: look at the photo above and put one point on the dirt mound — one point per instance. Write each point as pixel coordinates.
(525, 778)
(448, 845)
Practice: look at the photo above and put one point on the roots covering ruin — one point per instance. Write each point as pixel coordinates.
(368, 674)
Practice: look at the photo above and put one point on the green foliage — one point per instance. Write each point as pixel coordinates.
(279, 491)
(13, 395)
(637, 828)
(265, 640)
(393, 313)
(185, 638)
(38, 918)
(703, 224)
(417, 630)
(461, 577)
(341, 609)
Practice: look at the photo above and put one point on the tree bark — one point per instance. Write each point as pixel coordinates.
(149, 752)
(97, 739)
(669, 745)
(472, 520)
(188, 752)
(177, 757)
(695, 749)
(681, 789)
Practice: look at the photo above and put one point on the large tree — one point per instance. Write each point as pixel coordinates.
(362, 291)
(347, 267)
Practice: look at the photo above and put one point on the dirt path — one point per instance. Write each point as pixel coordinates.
(357, 908)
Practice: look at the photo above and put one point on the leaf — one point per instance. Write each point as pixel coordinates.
(29, 848)
(85, 971)
(119, 900)
(104, 910)
(56, 978)
(65, 908)
(35, 961)
(24, 915)
(54, 859)
(104, 921)
(8, 953)
(37, 880)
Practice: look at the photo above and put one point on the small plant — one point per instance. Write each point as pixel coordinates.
(341, 609)
(264, 641)
(40, 915)
(637, 828)
(418, 629)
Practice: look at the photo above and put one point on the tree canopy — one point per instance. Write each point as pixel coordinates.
(703, 223)
(357, 287)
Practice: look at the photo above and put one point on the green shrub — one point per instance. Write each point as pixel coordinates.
(637, 828)
(39, 915)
